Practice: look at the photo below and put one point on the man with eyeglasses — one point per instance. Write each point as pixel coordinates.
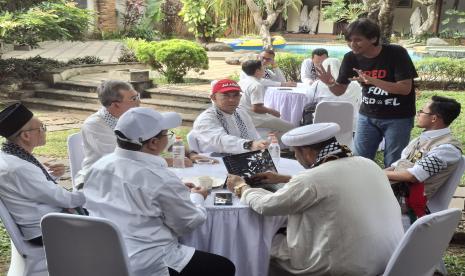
(28, 188)
(225, 128)
(116, 98)
(274, 76)
(134, 189)
(427, 161)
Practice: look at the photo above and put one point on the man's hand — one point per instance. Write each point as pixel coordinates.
(233, 180)
(362, 77)
(259, 145)
(56, 170)
(325, 75)
(289, 84)
(189, 185)
(274, 113)
(194, 157)
(270, 178)
(200, 190)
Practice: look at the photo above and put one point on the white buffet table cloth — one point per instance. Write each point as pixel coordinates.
(289, 101)
(236, 231)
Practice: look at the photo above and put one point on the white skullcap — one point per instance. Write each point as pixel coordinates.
(310, 134)
(139, 124)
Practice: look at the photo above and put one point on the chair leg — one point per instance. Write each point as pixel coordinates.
(17, 262)
(441, 268)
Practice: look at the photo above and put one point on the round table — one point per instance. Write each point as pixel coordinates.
(289, 101)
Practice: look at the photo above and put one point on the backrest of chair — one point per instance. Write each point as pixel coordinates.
(424, 243)
(192, 141)
(79, 245)
(13, 230)
(75, 153)
(341, 113)
(442, 197)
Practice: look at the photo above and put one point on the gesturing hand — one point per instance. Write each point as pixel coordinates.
(362, 77)
(325, 75)
(56, 170)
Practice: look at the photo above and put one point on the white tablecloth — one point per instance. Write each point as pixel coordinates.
(236, 231)
(289, 101)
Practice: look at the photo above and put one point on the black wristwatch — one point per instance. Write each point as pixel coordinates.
(248, 145)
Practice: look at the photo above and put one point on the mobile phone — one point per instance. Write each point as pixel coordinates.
(223, 199)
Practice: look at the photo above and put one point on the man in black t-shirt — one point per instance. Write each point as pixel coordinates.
(386, 74)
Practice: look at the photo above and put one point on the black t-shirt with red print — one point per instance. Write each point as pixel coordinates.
(392, 64)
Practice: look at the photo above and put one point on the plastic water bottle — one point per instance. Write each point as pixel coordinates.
(178, 153)
(274, 148)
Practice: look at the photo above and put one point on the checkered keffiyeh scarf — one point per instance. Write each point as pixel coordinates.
(331, 152)
(240, 123)
(109, 119)
(13, 149)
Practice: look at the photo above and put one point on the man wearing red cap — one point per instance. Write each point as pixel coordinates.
(225, 128)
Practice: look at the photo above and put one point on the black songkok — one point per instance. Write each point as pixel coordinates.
(13, 118)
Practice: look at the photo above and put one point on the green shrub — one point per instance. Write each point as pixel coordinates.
(171, 58)
(290, 65)
(85, 60)
(442, 70)
(27, 69)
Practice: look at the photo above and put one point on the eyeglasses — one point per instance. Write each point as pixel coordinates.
(42, 127)
(169, 133)
(267, 59)
(422, 112)
(134, 98)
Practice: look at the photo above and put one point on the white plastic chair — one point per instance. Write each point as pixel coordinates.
(192, 141)
(26, 259)
(75, 154)
(341, 113)
(79, 245)
(423, 245)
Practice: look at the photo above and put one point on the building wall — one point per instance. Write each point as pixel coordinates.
(401, 24)
(106, 10)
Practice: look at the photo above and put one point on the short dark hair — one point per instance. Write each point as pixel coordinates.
(131, 146)
(364, 27)
(446, 108)
(251, 66)
(270, 52)
(319, 52)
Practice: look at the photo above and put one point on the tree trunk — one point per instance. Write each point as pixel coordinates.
(372, 7)
(386, 19)
(431, 12)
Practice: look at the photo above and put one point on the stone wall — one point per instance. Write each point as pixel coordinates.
(107, 15)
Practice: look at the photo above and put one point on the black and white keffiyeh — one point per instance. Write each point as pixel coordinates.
(13, 149)
(109, 119)
(431, 164)
(332, 151)
(244, 134)
(267, 74)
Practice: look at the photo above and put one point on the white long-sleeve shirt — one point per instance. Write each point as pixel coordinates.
(149, 204)
(307, 72)
(337, 212)
(28, 195)
(275, 77)
(212, 137)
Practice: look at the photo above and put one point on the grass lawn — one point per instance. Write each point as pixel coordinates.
(56, 147)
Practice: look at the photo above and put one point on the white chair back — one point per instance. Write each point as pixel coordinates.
(26, 259)
(75, 154)
(441, 199)
(341, 113)
(192, 141)
(79, 245)
(423, 245)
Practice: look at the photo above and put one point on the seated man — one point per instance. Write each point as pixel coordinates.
(28, 188)
(116, 98)
(253, 98)
(308, 73)
(133, 188)
(273, 75)
(427, 161)
(337, 209)
(225, 128)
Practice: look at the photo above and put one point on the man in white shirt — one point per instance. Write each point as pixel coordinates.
(428, 161)
(274, 76)
(337, 209)
(308, 72)
(225, 128)
(28, 188)
(133, 188)
(253, 98)
(116, 98)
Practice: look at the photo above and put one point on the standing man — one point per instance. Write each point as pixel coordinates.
(28, 188)
(308, 73)
(273, 74)
(133, 188)
(337, 209)
(386, 74)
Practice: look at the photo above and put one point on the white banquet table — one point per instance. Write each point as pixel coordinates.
(236, 231)
(289, 101)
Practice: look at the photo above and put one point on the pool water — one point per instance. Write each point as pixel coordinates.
(337, 51)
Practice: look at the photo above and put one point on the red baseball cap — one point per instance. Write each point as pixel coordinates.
(225, 85)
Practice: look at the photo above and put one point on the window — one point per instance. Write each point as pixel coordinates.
(404, 4)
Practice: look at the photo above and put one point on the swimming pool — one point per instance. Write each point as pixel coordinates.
(337, 51)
